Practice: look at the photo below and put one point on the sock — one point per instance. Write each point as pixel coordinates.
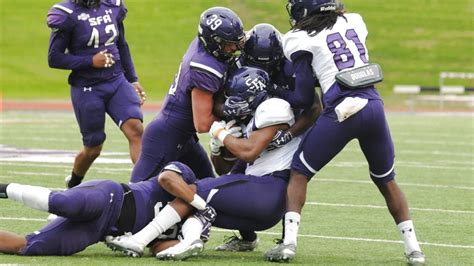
(32, 196)
(191, 229)
(75, 180)
(248, 235)
(3, 191)
(292, 224)
(166, 218)
(409, 237)
(198, 202)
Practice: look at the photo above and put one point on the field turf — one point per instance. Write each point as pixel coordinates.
(345, 221)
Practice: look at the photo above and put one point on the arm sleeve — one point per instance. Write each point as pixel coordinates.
(303, 95)
(205, 81)
(125, 56)
(62, 26)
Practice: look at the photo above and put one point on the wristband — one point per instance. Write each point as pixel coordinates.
(198, 202)
(221, 133)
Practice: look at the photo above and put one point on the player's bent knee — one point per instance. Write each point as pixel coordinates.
(94, 139)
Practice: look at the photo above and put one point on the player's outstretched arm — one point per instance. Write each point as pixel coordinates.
(11, 243)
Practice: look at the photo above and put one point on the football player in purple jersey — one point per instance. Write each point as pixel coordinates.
(187, 108)
(88, 38)
(94, 209)
(327, 42)
(263, 49)
(252, 197)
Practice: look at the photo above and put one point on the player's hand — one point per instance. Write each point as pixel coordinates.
(281, 138)
(103, 59)
(140, 91)
(218, 130)
(215, 146)
(236, 108)
(233, 129)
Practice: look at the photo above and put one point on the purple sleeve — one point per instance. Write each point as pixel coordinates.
(125, 56)
(239, 167)
(58, 58)
(303, 95)
(205, 81)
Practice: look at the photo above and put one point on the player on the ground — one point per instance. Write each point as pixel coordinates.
(331, 44)
(262, 179)
(90, 211)
(188, 106)
(88, 38)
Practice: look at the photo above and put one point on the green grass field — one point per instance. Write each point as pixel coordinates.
(412, 40)
(345, 221)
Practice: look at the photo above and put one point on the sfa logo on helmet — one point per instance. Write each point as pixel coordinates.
(256, 84)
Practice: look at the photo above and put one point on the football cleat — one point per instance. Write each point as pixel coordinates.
(125, 244)
(234, 243)
(415, 258)
(281, 252)
(182, 250)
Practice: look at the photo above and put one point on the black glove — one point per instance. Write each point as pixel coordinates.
(281, 138)
(236, 108)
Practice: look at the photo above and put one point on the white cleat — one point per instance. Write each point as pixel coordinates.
(182, 250)
(416, 258)
(125, 244)
(236, 244)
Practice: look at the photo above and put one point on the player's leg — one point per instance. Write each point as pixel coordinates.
(322, 143)
(124, 108)
(175, 179)
(11, 243)
(196, 157)
(378, 148)
(89, 109)
(161, 144)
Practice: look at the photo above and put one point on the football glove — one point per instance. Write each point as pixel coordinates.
(281, 138)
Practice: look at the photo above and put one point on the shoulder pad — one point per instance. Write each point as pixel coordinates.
(295, 41)
(272, 112)
(59, 16)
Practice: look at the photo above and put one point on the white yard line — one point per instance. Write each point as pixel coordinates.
(301, 235)
(400, 183)
(385, 207)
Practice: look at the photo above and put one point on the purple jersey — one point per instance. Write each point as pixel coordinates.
(78, 33)
(198, 69)
(98, 208)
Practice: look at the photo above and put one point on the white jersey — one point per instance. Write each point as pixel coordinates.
(338, 49)
(271, 112)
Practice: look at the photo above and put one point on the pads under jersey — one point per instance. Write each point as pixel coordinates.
(334, 50)
(271, 112)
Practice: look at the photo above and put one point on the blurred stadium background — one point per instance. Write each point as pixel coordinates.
(412, 40)
(345, 221)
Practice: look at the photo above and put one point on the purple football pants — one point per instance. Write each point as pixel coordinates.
(245, 202)
(163, 143)
(87, 212)
(116, 98)
(328, 137)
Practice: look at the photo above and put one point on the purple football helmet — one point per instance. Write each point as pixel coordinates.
(87, 3)
(298, 9)
(263, 47)
(248, 83)
(219, 26)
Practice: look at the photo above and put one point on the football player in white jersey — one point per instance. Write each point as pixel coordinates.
(262, 179)
(329, 43)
